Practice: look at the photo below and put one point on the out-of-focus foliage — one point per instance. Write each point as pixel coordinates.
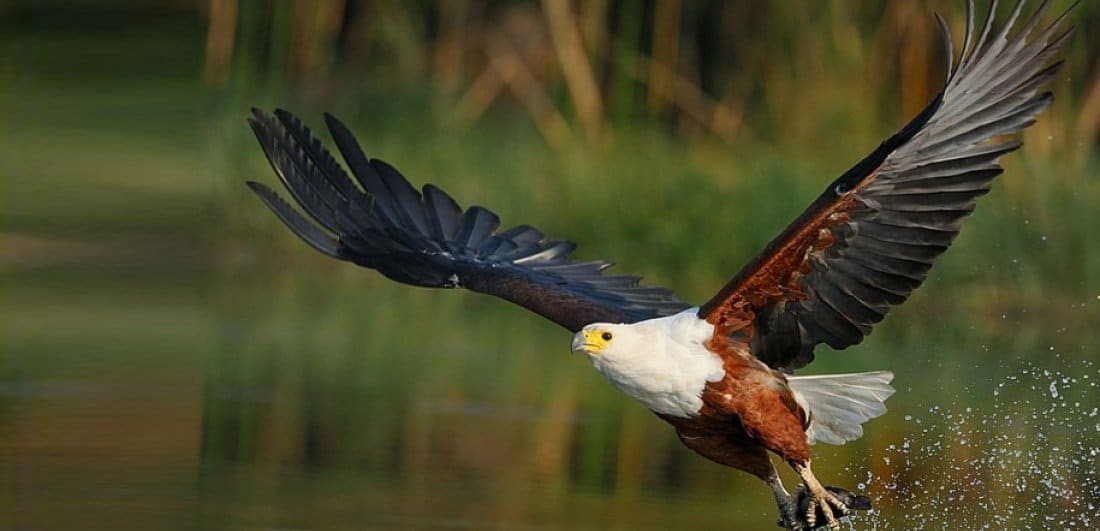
(172, 357)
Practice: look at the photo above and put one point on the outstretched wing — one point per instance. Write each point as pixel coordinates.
(425, 239)
(869, 240)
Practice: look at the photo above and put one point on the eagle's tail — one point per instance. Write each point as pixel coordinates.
(838, 404)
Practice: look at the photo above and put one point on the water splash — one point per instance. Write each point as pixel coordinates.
(1025, 456)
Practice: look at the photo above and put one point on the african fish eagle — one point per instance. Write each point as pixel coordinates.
(722, 372)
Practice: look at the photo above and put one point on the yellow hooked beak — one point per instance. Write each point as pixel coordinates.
(590, 341)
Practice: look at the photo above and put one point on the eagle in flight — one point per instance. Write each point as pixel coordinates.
(720, 373)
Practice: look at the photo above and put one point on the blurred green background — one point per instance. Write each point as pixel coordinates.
(173, 358)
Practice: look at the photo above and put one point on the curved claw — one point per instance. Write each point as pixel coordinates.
(788, 515)
(816, 502)
(826, 502)
(800, 506)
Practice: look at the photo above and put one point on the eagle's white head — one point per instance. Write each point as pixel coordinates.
(606, 340)
(661, 362)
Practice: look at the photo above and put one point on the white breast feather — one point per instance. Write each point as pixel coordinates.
(662, 362)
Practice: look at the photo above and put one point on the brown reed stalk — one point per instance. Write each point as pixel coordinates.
(575, 65)
(221, 38)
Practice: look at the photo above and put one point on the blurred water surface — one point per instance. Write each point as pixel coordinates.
(174, 359)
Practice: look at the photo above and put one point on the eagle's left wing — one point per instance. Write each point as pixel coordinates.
(424, 238)
(869, 240)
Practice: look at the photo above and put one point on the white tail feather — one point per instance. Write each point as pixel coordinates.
(840, 403)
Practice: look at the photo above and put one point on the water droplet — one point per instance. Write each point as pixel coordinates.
(1028, 444)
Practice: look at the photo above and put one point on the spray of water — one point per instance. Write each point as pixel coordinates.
(1024, 456)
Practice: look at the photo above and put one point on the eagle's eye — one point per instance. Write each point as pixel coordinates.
(606, 336)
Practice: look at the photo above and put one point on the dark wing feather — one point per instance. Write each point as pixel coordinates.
(426, 239)
(869, 240)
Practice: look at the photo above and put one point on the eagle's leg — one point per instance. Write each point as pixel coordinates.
(747, 455)
(819, 498)
(788, 506)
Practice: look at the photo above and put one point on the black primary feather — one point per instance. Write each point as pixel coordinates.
(426, 239)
